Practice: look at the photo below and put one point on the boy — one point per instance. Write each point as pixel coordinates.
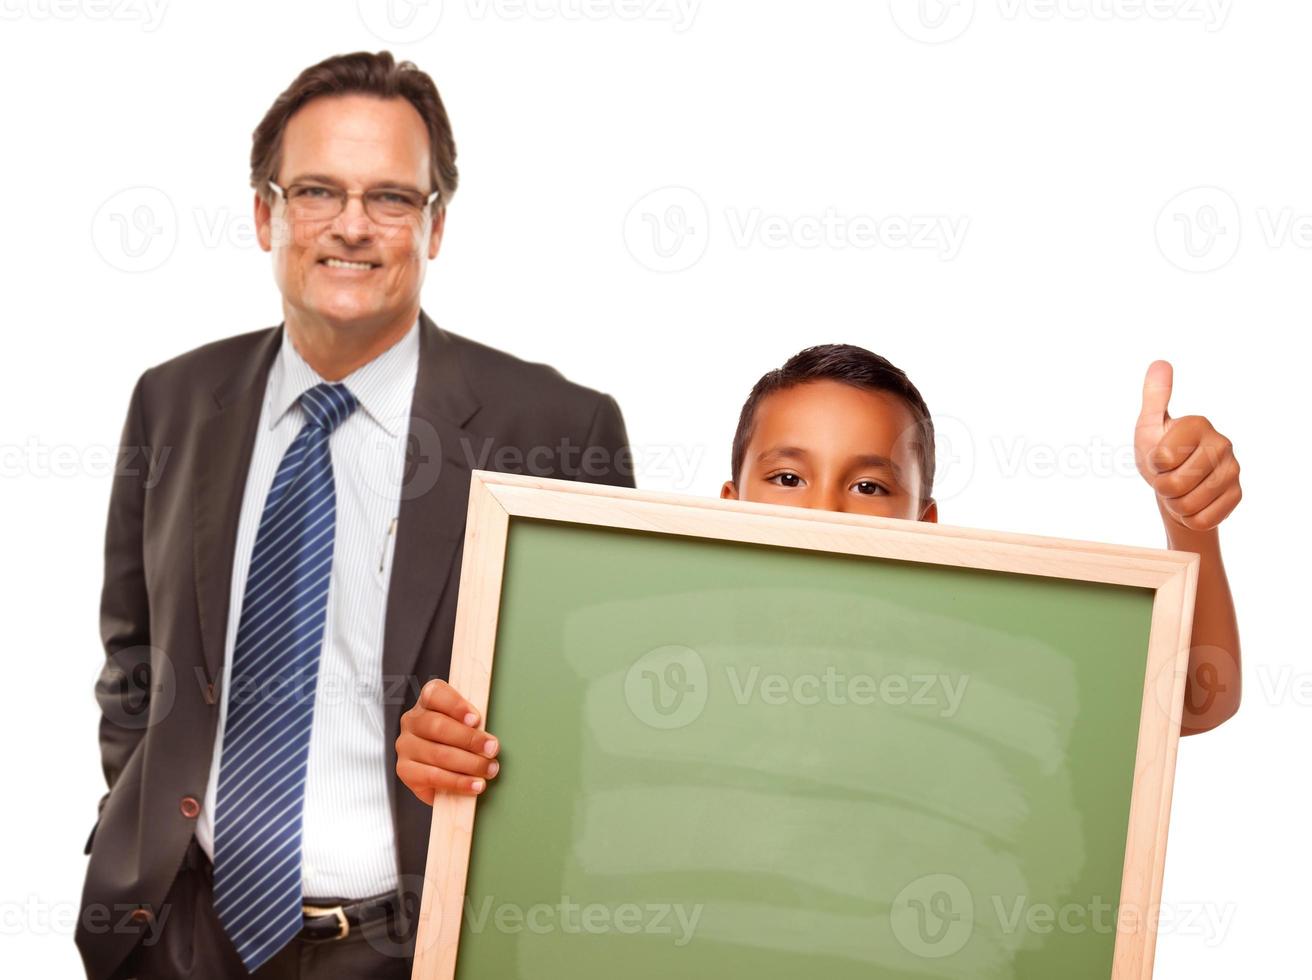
(840, 428)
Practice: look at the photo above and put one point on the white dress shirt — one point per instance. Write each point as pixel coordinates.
(348, 843)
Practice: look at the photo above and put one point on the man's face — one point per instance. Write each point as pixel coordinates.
(832, 446)
(356, 142)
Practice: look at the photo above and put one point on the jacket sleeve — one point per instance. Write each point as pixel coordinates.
(607, 458)
(123, 687)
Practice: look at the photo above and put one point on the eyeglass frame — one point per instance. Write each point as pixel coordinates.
(344, 198)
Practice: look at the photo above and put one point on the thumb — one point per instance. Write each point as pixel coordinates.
(1156, 394)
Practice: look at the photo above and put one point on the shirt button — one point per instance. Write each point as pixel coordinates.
(190, 807)
(142, 915)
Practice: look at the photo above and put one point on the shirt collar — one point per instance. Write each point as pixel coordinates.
(383, 387)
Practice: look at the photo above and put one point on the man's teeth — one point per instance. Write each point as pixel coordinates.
(342, 264)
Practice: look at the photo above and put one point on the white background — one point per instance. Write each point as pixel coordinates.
(1061, 142)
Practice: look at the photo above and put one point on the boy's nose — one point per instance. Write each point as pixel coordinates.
(830, 498)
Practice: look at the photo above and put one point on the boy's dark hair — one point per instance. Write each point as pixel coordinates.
(851, 365)
(368, 74)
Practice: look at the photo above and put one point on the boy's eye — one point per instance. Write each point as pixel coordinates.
(869, 487)
(785, 479)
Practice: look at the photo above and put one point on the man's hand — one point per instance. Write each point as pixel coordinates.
(1188, 463)
(441, 749)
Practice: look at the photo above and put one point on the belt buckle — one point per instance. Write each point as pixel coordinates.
(343, 926)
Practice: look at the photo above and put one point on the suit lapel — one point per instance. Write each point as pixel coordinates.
(434, 496)
(432, 507)
(226, 441)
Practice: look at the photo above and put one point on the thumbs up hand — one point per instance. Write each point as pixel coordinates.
(1190, 466)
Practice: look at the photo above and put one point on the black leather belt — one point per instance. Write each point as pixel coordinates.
(324, 923)
(321, 921)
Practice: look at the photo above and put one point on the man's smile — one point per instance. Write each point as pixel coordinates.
(348, 266)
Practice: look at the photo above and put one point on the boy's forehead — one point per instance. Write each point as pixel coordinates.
(832, 419)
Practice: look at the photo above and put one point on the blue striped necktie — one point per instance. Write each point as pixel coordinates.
(275, 667)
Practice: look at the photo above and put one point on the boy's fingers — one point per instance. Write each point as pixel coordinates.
(438, 695)
(428, 753)
(447, 731)
(420, 777)
(1186, 467)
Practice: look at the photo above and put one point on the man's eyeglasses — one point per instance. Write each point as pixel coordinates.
(384, 205)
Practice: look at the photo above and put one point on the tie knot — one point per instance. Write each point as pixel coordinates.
(328, 405)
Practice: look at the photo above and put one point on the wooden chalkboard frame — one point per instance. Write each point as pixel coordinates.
(495, 498)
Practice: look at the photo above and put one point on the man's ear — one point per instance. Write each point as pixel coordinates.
(930, 513)
(263, 223)
(728, 491)
(435, 236)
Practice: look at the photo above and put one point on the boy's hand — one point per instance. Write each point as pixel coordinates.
(440, 749)
(1188, 463)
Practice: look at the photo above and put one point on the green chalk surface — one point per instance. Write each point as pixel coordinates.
(732, 760)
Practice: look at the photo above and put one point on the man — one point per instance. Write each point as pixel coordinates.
(277, 586)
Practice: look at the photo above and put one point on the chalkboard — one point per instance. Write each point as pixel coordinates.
(752, 741)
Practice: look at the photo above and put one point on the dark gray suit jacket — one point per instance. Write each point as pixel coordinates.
(171, 532)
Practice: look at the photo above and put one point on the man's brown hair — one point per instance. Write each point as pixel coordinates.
(369, 74)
